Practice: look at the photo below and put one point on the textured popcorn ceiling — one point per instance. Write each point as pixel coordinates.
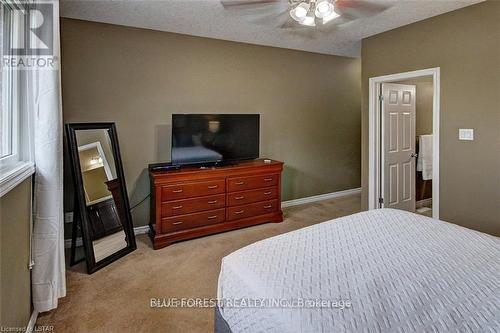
(256, 25)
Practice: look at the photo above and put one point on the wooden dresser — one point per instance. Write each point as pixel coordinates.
(193, 202)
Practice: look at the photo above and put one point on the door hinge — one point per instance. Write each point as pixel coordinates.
(381, 98)
(380, 200)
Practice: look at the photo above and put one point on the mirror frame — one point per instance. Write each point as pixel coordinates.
(80, 203)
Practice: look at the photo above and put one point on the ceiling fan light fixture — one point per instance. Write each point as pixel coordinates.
(333, 15)
(309, 20)
(299, 13)
(324, 8)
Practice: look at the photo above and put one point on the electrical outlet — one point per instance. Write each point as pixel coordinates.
(466, 134)
(68, 217)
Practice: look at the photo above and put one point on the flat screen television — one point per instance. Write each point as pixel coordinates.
(214, 138)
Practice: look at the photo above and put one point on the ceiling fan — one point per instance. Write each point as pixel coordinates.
(311, 13)
(306, 12)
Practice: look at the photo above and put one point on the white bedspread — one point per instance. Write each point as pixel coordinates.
(402, 272)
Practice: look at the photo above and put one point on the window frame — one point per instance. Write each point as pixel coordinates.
(9, 81)
(18, 165)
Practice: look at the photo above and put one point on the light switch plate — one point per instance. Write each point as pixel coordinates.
(466, 134)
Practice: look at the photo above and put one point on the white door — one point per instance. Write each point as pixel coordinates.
(398, 146)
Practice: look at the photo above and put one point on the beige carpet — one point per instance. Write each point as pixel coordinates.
(117, 298)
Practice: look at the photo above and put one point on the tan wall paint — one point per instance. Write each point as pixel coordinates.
(465, 44)
(309, 103)
(14, 253)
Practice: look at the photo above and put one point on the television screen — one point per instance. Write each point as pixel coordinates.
(208, 138)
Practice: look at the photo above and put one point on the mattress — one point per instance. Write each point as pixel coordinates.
(379, 271)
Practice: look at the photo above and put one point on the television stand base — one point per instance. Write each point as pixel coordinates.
(226, 164)
(191, 202)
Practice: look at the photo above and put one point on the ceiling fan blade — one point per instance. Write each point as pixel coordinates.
(290, 24)
(344, 18)
(237, 3)
(260, 11)
(360, 8)
(273, 17)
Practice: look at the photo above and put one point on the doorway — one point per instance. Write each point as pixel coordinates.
(398, 177)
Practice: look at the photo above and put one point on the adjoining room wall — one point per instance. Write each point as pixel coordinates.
(15, 282)
(309, 103)
(465, 45)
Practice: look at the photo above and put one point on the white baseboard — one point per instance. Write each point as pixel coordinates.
(145, 229)
(320, 197)
(141, 230)
(137, 231)
(31, 324)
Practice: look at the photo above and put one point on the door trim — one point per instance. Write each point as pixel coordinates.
(374, 131)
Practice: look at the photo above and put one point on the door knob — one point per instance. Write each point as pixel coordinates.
(414, 155)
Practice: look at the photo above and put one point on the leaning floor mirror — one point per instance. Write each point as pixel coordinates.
(102, 210)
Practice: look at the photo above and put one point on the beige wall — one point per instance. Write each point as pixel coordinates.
(309, 103)
(465, 45)
(15, 300)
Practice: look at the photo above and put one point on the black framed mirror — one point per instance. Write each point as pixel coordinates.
(101, 200)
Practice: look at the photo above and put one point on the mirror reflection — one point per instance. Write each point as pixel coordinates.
(102, 191)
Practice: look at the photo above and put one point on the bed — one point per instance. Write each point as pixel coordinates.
(397, 271)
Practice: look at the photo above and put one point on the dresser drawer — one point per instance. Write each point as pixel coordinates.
(250, 210)
(241, 198)
(192, 189)
(251, 182)
(188, 221)
(186, 206)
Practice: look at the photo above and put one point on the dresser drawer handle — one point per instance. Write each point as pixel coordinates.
(267, 193)
(239, 212)
(239, 198)
(177, 207)
(213, 186)
(268, 206)
(268, 179)
(177, 191)
(212, 217)
(176, 223)
(240, 183)
(213, 202)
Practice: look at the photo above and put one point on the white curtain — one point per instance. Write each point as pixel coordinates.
(48, 278)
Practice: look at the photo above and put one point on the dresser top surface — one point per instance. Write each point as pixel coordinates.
(242, 166)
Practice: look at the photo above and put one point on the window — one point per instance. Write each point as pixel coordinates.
(6, 120)
(15, 158)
